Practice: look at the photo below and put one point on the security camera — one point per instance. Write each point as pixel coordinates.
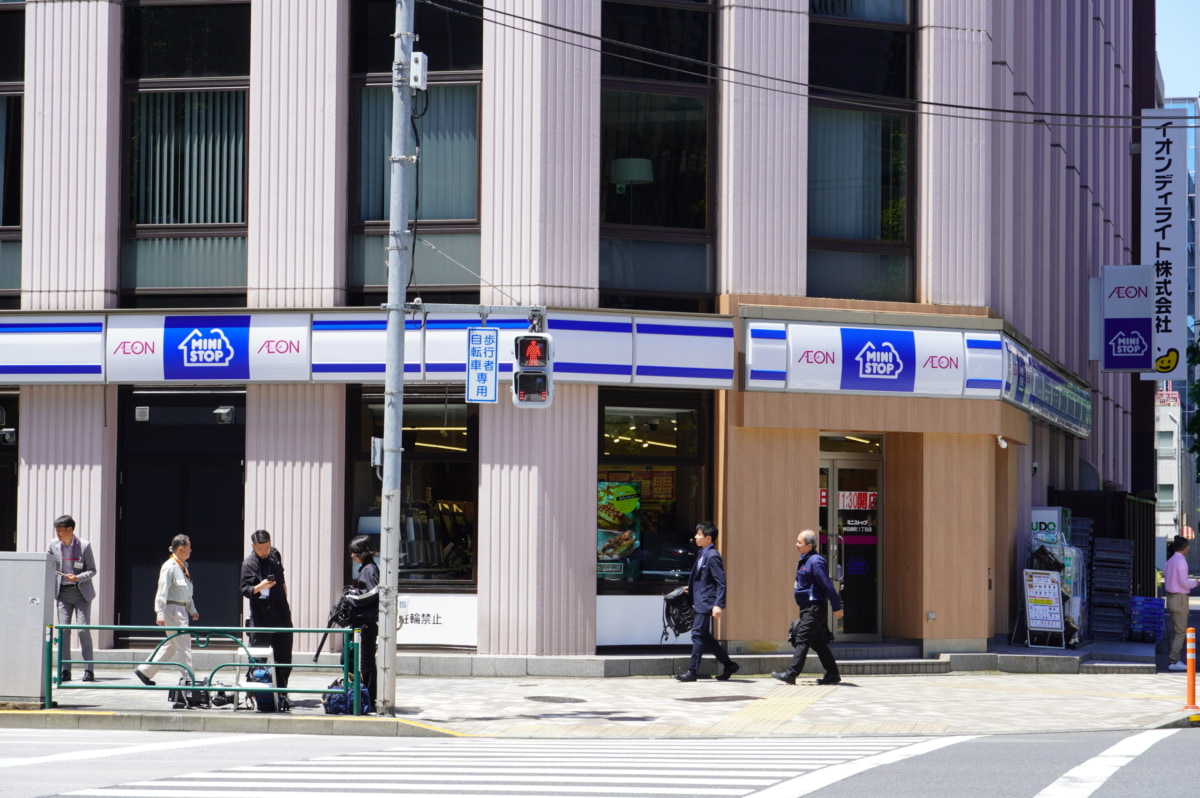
(224, 414)
(1000, 440)
(8, 436)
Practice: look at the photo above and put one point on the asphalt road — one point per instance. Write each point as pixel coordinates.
(119, 764)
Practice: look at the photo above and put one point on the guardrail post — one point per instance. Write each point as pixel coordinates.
(48, 645)
(1191, 669)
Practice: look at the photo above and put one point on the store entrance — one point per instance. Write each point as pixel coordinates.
(181, 464)
(851, 538)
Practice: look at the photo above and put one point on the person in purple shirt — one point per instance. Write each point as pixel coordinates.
(812, 589)
(1178, 586)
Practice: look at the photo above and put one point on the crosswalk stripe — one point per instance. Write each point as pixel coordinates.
(1084, 779)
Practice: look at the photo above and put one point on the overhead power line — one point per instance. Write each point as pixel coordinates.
(796, 88)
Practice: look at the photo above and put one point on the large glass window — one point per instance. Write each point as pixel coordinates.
(656, 126)
(12, 76)
(444, 188)
(652, 488)
(187, 70)
(439, 482)
(860, 217)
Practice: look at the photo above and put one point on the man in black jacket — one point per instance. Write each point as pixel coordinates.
(264, 584)
(706, 586)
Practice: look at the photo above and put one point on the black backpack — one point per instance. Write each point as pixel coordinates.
(188, 699)
(677, 613)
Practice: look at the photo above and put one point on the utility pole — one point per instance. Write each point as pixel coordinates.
(399, 267)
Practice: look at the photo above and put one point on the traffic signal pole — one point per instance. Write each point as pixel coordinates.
(399, 270)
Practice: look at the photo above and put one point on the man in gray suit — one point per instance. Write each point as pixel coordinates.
(75, 566)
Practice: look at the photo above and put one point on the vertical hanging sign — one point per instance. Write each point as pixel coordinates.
(483, 369)
(1128, 318)
(1164, 235)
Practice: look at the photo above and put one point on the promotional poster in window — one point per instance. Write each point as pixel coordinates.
(618, 528)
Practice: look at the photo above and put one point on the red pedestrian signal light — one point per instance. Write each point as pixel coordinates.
(533, 372)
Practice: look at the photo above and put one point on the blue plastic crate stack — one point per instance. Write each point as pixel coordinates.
(1112, 586)
(1146, 619)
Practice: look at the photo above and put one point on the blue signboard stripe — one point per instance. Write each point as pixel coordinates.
(620, 369)
(985, 384)
(462, 324)
(764, 374)
(27, 327)
(590, 326)
(65, 368)
(337, 326)
(681, 371)
(978, 343)
(759, 332)
(360, 368)
(442, 368)
(680, 329)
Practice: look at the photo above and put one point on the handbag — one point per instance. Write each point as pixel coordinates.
(793, 636)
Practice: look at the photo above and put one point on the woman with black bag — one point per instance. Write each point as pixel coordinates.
(364, 613)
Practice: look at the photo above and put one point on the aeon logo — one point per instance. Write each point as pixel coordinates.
(213, 349)
(1128, 344)
(879, 363)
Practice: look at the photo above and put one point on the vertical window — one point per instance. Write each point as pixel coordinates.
(656, 128)
(652, 487)
(439, 482)
(12, 77)
(860, 217)
(444, 188)
(187, 73)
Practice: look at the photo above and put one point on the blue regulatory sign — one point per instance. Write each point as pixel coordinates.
(483, 365)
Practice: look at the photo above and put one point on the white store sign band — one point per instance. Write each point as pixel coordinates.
(1164, 235)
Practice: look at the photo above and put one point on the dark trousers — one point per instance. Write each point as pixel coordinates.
(703, 640)
(281, 650)
(370, 634)
(814, 634)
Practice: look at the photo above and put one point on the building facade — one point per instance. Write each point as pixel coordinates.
(808, 265)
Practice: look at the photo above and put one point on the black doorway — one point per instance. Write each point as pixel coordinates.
(181, 460)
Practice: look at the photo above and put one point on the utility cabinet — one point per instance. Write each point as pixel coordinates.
(26, 608)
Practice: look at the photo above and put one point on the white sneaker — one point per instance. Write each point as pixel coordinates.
(1177, 666)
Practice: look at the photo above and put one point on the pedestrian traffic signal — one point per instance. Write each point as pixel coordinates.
(533, 375)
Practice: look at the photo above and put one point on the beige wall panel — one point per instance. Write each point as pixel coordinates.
(763, 144)
(769, 494)
(537, 513)
(878, 413)
(540, 153)
(295, 483)
(66, 462)
(297, 166)
(959, 495)
(1008, 529)
(904, 536)
(729, 303)
(70, 157)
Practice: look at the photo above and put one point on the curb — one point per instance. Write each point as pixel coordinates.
(192, 722)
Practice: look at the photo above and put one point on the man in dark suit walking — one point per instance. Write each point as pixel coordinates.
(706, 586)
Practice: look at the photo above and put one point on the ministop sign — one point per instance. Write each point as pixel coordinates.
(1128, 327)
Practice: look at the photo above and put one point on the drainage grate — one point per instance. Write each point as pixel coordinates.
(554, 699)
(712, 699)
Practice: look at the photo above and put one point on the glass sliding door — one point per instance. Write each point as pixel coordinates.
(851, 537)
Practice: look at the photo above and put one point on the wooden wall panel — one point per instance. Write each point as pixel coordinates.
(768, 495)
(903, 565)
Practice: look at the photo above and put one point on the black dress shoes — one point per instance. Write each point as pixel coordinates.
(829, 680)
(687, 676)
(146, 680)
(784, 677)
(66, 676)
(88, 676)
(729, 670)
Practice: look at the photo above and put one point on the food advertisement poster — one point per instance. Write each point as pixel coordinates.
(618, 530)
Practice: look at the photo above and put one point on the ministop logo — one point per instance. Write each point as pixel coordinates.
(881, 363)
(211, 349)
(1128, 344)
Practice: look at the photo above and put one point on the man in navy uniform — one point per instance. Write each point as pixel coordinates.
(812, 589)
(706, 586)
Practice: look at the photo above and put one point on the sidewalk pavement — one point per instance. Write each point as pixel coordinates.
(961, 702)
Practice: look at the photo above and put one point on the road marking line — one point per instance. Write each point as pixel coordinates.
(811, 782)
(1085, 779)
(71, 756)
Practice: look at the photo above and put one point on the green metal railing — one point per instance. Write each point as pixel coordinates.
(58, 636)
